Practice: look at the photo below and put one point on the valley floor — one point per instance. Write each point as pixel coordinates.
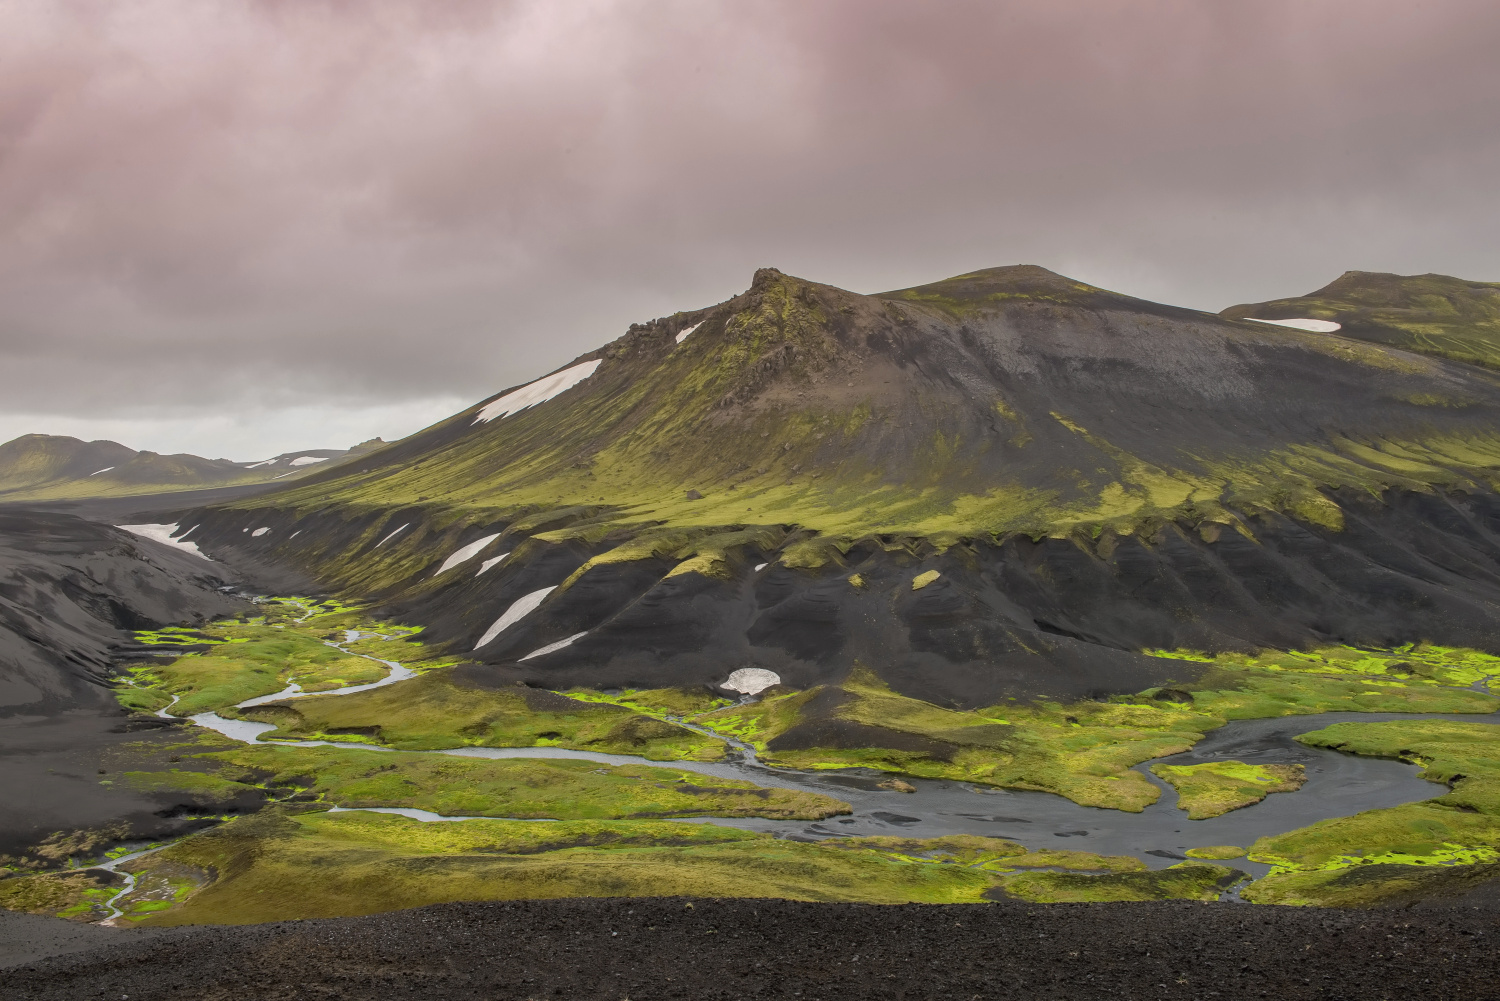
(671, 948)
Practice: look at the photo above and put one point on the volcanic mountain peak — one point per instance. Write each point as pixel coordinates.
(1003, 400)
(1432, 314)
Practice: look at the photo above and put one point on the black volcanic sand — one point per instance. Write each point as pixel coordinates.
(645, 949)
(70, 592)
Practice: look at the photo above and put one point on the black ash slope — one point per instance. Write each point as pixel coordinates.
(70, 592)
(606, 950)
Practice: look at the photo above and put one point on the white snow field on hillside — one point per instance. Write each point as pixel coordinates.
(515, 613)
(554, 647)
(466, 553)
(1301, 323)
(259, 532)
(490, 562)
(388, 538)
(684, 335)
(751, 680)
(307, 460)
(163, 534)
(540, 391)
(104, 470)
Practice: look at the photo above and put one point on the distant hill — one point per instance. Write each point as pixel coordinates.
(51, 467)
(1434, 314)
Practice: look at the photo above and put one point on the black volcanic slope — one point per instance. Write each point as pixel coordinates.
(761, 483)
(649, 949)
(70, 591)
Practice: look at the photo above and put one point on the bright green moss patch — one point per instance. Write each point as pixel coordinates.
(991, 854)
(1215, 788)
(1459, 830)
(670, 703)
(1378, 885)
(438, 710)
(79, 895)
(921, 580)
(532, 788)
(1216, 852)
(289, 644)
(273, 867)
(1185, 881)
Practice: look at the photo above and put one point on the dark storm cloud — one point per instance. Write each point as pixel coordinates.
(244, 206)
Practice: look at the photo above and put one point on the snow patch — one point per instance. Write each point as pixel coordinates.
(540, 391)
(307, 460)
(397, 532)
(517, 611)
(761, 566)
(684, 335)
(294, 534)
(554, 647)
(259, 532)
(263, 462)
(466, 553)
(489, 563)
(751, 680)
(104, 470)
(163, 534)
(1303, 323)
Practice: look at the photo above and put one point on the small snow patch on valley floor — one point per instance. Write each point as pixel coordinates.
(163, 534)
(761, 566)
(522, 607)
(259, 532)
(684, 335)
(104, 470)
(540, 391)
(554, 647)
(491, 562)
(397, 532)
(1304, 323)
(466, 553)
(308, 460)
(751, 680)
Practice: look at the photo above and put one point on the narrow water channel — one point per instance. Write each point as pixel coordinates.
(1337, 785)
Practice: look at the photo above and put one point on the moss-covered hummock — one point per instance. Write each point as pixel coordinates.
(1213, 789)
(1184, 881)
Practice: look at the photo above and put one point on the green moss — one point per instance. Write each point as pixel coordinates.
(1185, 881)
(1216, 852)
(274, 867)
(921, 580)
(1215, 788)
(435, 710)
(1380, 885)
(77, 895)
(532, 788)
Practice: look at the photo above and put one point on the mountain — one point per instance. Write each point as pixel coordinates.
(48, 467)
(1003, 484)
(1432, 314)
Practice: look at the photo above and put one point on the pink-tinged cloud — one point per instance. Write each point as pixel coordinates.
(287, 203)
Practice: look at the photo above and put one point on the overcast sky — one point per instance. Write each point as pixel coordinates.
(238, 228)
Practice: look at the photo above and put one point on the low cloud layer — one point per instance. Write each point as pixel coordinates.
(317, 216)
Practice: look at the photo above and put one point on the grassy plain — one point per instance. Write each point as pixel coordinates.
(528, 788)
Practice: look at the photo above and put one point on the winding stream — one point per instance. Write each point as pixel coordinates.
(1337, 785)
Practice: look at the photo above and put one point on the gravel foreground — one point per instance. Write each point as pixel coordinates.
(647, 949)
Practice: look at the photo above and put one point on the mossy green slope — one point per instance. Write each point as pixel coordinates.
(1433, 314)
(920, 412)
